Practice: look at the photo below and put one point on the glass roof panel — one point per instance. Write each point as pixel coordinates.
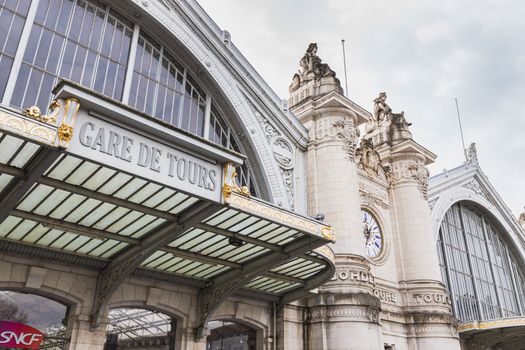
(76, 243)
(214, 273)
(233, 220)
(221, 216)
(102, 176)
(88, 205)
(64, 168)
(114, 250)
(186, 237)
(87, 247)
(244, 224)
(25, 154)
(34, 197)
(219, 242)
(172, 202)
(137, 225)
(250, 254)
(193, 266)
(4, 180)
(184, 205)
(49, 237)
(210, 271)
(96, 214)
(37, 232)
(159, 197)
(284, 288)
(115, 183)
(9, 147)
(104, 247)
(50, 202)
(67, 206)
(197, 238)
(209, 243)
(62, 240)
(124, 222)
(130, 188)
(148, 228)
(82, 173)
(145, 193)
(153, 256)
(118, 213)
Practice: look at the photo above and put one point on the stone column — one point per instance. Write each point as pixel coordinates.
(345, 314)
(82, 337)
(427, 304)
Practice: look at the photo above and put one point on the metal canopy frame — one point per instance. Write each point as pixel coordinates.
(65, 208)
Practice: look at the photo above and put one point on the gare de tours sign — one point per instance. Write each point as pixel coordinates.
(122, 148)
(19, 336)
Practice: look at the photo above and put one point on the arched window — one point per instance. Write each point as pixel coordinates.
(46, 315)
(130, 328)
(92, 44)
(478, 269)
(227, 335)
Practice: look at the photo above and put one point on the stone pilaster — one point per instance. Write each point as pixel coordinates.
(426, 303)
(346, 311)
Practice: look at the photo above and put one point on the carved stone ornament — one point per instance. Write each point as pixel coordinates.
(282, 153)
(349, 134)
(312, 68)
(475, 187)
(341, 313)
(368, 159)
(421, 174)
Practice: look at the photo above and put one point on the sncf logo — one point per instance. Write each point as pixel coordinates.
(19, 336)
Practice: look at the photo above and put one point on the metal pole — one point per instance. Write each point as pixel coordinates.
(344, 62)
(461, 131)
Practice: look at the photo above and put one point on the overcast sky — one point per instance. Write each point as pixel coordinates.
(422, 53)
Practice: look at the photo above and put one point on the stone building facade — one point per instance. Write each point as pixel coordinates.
(102, 247)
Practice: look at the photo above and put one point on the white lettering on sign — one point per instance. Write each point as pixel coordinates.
(10, 337)
(131, 152)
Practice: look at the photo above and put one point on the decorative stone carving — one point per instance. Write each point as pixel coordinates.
(342, 313)
(420, 173)
(282, 153)
(312, 68)
(370, 161)
(349, 134)
(521, 219)
(431, 298)
(474, 186)
(387, 296)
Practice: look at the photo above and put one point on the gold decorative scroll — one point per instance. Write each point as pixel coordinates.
(230, 183)
(65, 129)
(35, 113)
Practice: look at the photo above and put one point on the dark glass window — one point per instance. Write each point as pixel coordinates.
(139, 329)
(78, 40)
(161, 88)
(479, 271)
(12, 18)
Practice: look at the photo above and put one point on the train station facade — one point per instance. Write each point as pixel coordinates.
(155, 193)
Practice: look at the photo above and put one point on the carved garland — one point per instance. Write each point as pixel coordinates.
(349, 134)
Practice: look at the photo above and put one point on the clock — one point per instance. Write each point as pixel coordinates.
(372, 234)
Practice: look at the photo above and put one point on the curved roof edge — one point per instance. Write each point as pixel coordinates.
(468, 182)
(236, 61)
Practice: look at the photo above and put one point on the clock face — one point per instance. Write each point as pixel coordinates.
(372, 233)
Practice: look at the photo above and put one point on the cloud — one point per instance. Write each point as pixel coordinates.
(422, 53)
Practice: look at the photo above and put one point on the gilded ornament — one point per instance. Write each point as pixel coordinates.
(35, 113)
(230, 183)
(65, 132)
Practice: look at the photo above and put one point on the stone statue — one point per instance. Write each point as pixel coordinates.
(312, 68)
(382, 111)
